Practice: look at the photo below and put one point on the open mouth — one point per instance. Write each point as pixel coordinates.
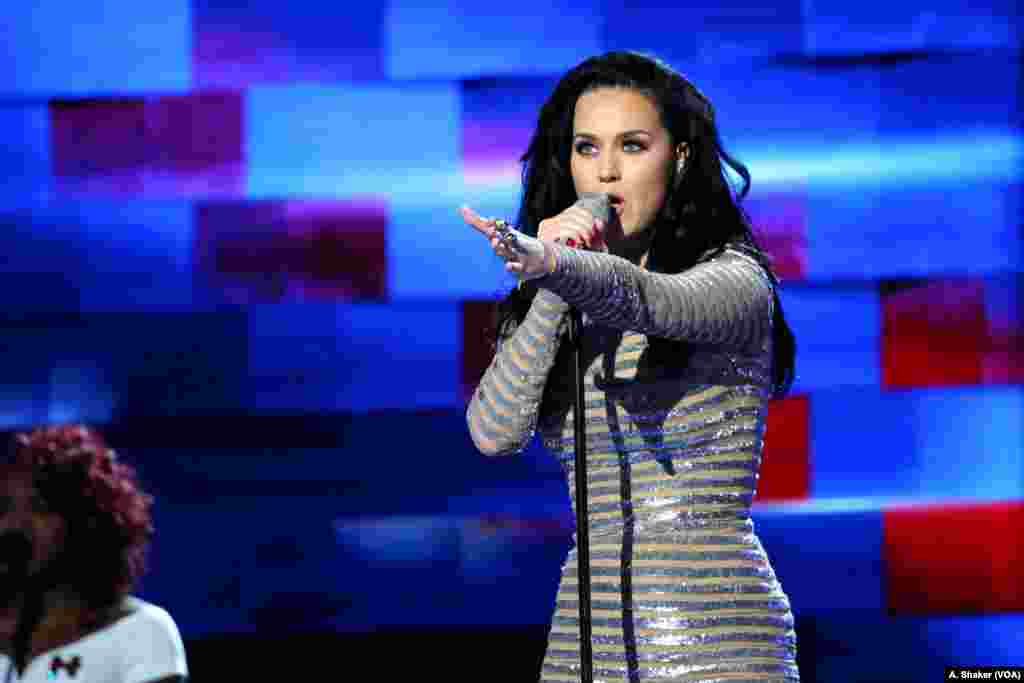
(616, 202)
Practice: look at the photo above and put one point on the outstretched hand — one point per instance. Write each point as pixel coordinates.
(527, 256)
(524, 256)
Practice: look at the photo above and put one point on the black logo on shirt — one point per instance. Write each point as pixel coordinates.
(71, 666)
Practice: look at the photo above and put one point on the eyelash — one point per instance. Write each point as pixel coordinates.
(581, 145)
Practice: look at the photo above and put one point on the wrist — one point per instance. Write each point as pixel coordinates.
(549, 259)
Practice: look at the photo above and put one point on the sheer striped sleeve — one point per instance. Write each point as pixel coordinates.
(502, 414)
(726, 300)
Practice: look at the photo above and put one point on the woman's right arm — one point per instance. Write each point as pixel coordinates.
(502, 414)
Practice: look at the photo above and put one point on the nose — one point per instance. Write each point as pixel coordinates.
(609, 171)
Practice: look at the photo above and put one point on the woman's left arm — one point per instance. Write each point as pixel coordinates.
(726, 300)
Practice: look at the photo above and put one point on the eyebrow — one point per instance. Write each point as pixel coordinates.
(590, 136)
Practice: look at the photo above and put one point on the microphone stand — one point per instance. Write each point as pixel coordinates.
(582, 520)
(28, 619)
(506, 235)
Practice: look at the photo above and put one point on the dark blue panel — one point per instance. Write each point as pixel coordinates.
(962, 94)
(349, 536)
(902, 650)
(825, 559)
(425, 458)
(992, 638)
(780, 103)
(81, 390)
(49, 259)
(98, 256)
(353, 357)
(25, 392)
(704, 31)
(24, 152)
(50, 374)
(834, 26)
(237, 564)
(170, 364)
(104, 366)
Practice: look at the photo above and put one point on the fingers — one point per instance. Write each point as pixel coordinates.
(483, 225)
(589, 235)
(575, 227)
(502, 250)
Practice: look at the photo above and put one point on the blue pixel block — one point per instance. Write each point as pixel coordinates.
(827, 558)
(64, 48)
(837, 329)
(356, 357)
(704, 31)
(25, 175)
(926, 444)
(342, 141)
(449, 39)
(836, 27)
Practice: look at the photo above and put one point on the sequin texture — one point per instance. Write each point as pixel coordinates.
(682, 589)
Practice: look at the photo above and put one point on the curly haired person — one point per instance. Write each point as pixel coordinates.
(75, 527)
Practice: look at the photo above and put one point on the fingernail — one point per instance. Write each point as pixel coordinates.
(571, 242)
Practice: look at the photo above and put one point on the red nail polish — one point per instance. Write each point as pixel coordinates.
(571, 242)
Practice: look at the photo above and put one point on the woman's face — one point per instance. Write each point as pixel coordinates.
(23, 510)
(621, 148)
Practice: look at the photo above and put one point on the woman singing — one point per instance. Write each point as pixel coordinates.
(684, 343)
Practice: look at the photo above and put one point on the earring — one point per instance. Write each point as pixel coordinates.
(680, 167)
(682, 159)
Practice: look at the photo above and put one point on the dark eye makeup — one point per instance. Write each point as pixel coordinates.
(581, 147)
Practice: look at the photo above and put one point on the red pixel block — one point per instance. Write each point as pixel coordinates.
(954, 558)
(162, 146)
(477, 335)
(934, 333)
(785, 470)
(270, 251)
(780, 224)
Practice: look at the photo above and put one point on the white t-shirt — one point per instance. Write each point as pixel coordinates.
(143, 646)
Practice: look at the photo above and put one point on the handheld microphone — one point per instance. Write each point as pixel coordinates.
(596, 203)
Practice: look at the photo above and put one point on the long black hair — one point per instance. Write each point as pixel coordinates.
(701, 215)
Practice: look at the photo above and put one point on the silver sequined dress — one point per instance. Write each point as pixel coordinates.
(682, 589)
